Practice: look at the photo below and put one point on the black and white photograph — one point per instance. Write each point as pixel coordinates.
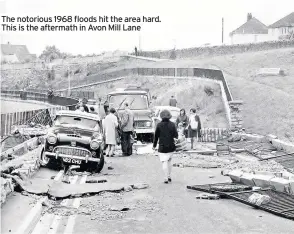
(147, 116)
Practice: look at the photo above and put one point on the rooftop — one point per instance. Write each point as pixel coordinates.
(287, 21)
(252, 26)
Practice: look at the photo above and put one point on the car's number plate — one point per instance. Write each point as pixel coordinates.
(72, 160)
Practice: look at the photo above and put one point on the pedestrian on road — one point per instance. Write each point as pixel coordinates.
(194, 127)
(183, 119)
(127, 127)
(173, 101)
(110, 125)
(166, 133)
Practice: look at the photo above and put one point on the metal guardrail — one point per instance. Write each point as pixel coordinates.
(9, 120)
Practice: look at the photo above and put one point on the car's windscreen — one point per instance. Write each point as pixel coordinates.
(135, 101)
(78, 122)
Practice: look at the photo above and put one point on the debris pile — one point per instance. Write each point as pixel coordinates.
(255, 166)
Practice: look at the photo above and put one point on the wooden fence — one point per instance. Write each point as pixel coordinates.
(213, 134)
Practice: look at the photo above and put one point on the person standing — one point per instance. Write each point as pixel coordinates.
(194, 127)
(127, 127)
(173, 101)
(184, 120)
(136, 51)
(165, 133)
(84, 102)
(110, 125)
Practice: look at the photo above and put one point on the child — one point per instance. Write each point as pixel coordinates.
(181, 130)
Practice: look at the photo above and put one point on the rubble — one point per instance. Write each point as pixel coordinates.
(207, 196)
(258, 199)
(17, 171)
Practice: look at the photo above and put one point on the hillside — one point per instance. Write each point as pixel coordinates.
(269, 100)
(189, 94)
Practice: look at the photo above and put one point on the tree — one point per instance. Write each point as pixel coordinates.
(173, 54)
(51, 75)
(50, 53)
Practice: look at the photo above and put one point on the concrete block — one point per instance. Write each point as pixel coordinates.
(280, 184)
(247, 179)
(281, 145)
(235, 175)
(252, 137)
(262, 181)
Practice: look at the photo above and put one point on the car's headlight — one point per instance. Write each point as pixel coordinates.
(52, 138)
(148, 124)
(97, 136)
(94, 144)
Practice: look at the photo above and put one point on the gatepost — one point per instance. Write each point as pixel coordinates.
(236, 115)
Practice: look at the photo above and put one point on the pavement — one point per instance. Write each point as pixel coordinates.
(160, 208)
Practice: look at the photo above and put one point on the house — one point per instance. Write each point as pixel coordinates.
(283, 28)
(253, 31)
(16, 53)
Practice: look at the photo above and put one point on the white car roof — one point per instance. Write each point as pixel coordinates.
(85, 115)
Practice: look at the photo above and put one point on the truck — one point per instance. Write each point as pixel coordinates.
(139, 101)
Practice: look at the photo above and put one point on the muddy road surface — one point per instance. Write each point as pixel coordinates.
(160, 208)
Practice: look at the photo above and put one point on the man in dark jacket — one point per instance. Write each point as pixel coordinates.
(173, 101)
(165, 133)
(127, 127)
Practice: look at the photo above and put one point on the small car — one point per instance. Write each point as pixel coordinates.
(175, 112)
(75, 138)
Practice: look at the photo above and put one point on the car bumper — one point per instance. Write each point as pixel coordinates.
(72, 157)
(144, 130)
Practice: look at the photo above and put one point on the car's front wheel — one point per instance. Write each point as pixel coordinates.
(95, 167)
(49, 162)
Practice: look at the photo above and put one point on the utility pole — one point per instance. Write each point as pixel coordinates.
(140, 44)
(222, 31)
(68, 72)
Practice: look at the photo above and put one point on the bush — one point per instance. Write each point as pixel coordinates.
(173, 55)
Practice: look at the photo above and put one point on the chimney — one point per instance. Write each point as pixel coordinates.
(249, 16)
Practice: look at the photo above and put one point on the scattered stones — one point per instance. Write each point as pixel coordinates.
(140, 186)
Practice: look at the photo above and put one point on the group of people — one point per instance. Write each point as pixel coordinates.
(189, 126)
(118, 130)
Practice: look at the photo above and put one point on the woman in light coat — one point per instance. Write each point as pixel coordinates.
(110, 125)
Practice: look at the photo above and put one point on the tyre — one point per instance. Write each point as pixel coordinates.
(95, 167)
(51, 163)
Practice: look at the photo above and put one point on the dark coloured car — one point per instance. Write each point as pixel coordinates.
(76, 139)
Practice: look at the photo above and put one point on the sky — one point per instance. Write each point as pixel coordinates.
(184, 23)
